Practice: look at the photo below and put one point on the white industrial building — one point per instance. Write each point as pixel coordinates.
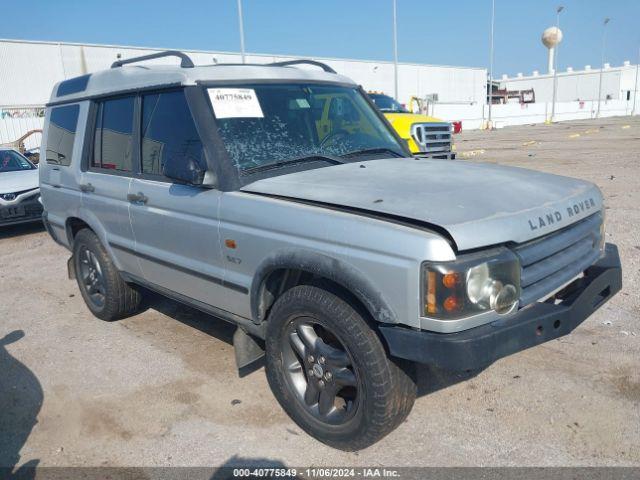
(28, 71)
(618, 83)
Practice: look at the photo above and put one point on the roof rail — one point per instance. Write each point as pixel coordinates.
(185, 61)
(324, 66)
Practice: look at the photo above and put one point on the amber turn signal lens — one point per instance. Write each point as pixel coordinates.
(451, 304)
(229, 243)
(450, 280)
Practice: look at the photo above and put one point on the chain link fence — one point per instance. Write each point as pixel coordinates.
(21, 127)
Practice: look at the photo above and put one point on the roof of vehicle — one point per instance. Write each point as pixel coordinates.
(120, 79)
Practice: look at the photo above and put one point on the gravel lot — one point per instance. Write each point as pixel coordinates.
(161, 388)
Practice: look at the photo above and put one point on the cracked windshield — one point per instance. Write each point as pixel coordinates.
(267, 126)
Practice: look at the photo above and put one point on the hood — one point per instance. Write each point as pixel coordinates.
(478, 204)
(18, 181)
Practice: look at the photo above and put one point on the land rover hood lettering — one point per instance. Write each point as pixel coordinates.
(478, 204)
(553, 217)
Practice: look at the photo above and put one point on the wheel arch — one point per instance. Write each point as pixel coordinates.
(285, 269)
(72, 226)
(85, 219)
(88, 220)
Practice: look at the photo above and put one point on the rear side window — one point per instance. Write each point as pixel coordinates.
(63, 124)
(113, 137)
(168, 132)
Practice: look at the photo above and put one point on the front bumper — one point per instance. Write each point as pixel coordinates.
(21, 212)
(533, 325)
(436, 155)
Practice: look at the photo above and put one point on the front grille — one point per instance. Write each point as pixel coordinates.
(25, 210)
(33, 209)
(13, 195)
(432, 138)
(31, 198)
(549, 262)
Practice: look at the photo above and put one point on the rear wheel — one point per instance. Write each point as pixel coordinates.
(330, 372)
(104, 291)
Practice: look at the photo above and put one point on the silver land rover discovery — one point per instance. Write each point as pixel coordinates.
(278, 198)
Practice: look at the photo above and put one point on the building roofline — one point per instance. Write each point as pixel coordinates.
(222, 52)
(564, 73)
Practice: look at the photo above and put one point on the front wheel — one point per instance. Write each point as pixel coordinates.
(329, 371)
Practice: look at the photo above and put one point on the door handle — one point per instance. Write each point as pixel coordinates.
(87, 187)
(137, 197)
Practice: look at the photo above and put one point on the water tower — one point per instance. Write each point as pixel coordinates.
(551, 37)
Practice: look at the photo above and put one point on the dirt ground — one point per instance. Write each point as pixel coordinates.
(161, 388)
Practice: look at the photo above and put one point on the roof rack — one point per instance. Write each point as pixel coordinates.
(185, 61)
(324, 66)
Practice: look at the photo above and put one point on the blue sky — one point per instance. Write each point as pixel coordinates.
(439, 32)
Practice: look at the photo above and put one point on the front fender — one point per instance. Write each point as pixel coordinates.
(327, 267)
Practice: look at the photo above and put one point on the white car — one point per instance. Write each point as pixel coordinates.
(19, 189)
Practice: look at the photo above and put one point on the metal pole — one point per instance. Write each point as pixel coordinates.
(493, 17)
(395, 50)
(635, 89)
(241, 24)
(555, 66)
(604, 37)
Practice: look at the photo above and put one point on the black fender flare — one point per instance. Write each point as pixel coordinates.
(339, 272)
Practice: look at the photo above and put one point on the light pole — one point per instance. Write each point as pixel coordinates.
(635, 89)
(395, 50)
(241, 25)
(493, 19)
(604, 37)
(555, 66)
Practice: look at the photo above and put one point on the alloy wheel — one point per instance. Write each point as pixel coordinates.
(91, 276)
(320, 371)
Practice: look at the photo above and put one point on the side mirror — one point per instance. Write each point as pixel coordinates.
(184, 170)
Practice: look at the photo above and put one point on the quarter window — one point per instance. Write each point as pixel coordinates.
(113, 139)
(168, 132)
(63, 123)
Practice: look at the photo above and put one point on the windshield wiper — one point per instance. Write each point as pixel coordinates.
(293, 161)
(367, 151)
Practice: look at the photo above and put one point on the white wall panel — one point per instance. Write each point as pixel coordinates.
(578, 85)
(28, 70)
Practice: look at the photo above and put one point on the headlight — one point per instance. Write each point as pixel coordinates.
(473, 284)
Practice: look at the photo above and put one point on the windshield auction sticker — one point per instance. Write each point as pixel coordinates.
(235, 103)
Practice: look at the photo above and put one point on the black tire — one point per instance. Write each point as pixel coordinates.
(384, 392)
(104, 291)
